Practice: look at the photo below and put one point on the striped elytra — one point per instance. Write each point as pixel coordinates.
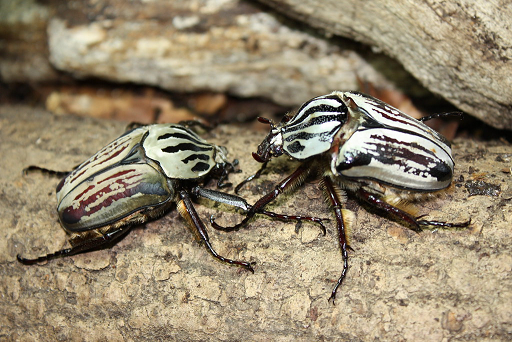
(133, 172)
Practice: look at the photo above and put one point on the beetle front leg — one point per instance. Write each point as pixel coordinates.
(342, 232)
(251, 177)
(296, 178)
(239, 202)
(84, 245)
(188, 212)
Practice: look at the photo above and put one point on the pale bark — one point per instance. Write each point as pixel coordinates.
(461, 50)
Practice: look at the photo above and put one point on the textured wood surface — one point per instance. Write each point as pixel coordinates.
(159, 284)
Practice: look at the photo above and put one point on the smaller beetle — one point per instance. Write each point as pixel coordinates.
(138, 177)
(360, 145)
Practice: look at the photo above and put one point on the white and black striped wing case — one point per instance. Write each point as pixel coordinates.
(393, 148)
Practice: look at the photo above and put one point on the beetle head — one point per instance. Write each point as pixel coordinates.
(272, 145)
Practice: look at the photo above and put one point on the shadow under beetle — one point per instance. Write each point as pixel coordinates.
(360, 145)
(138, 177)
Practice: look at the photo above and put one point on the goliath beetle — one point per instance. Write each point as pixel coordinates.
(138, 177)
(360, 145)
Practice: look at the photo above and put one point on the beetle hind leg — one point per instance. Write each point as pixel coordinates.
(187, 211)
(442, 224)
(336, 201)
(414, 222)
(80, 245)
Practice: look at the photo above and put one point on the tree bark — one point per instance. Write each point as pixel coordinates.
(461, 50)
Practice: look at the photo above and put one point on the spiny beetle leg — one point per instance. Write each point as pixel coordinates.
(441, 115)
(193, 123)
(32, 168)
(390, 209)
(342, 237)
(441, 224)
(191, 216)
(415, 224)
(282, 217)
(250, 178)
(84, 246)
(299, 218)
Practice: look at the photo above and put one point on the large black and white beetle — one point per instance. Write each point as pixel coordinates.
(360, 145)
(138, 177)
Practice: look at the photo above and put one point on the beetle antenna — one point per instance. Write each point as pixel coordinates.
(459, 115)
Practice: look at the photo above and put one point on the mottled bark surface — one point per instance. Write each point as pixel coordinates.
(459, 50)
(158, 283)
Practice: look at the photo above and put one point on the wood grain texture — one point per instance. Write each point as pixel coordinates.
(461, 50)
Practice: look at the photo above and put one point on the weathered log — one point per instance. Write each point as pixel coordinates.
(461, 50)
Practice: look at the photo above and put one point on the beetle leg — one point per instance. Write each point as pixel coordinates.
(442, 224)
(84, 246)
(390, 209)
(187, 211)
(342, 233)
(239, 202)
(291, 181)
(441, 115)
(250, 178)
(405, 216)
(31, 168)
(193, 123)
(227, 168)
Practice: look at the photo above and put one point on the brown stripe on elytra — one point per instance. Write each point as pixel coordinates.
(385, 113)
(98, 155)
(71, 215)
(389, 140)
(89, 188)
(119, 175)
(392, 154)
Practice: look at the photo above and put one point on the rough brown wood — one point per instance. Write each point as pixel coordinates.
(222, 46)
(461, 50)
(159, 284)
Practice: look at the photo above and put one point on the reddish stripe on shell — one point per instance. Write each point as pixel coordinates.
(85, 166)
(70, 215)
